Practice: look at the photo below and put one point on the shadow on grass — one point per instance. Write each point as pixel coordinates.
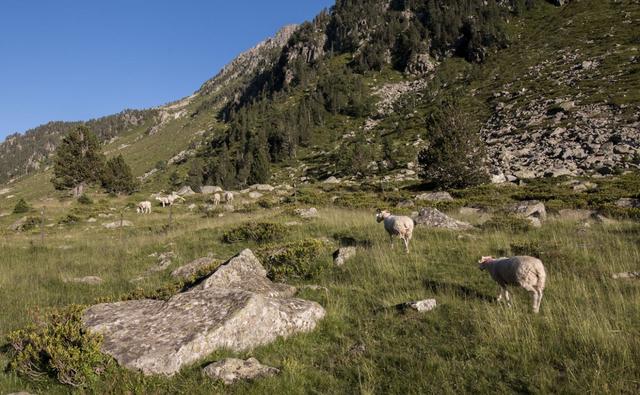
(439, 287)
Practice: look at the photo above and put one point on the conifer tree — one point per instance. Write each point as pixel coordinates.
(118, 178)
(78, 161)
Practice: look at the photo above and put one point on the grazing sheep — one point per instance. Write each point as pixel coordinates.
(396, 225)
(164, 200)
(524, 271)
(216, 199)
(169, 199)
(144, 207)
(228, 197)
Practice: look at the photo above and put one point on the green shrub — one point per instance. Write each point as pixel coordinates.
(58, 346)
(259, 232)
(508, 223)
(70, 219)
(248, 208)
(30, 224)
(21, 207)
(85, 199)
(295, 260)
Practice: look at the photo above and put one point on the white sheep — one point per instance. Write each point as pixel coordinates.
(396, 225)
(169, 199)
(524, 271)
(216, 199)
(164, 200)
(228, 197)
(144, 207)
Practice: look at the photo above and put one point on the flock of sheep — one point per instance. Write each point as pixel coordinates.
(523, 271)
(168, 200)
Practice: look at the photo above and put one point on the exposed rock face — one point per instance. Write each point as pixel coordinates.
(236, 308)
(230, 370)
(343, 254)
(434, 218)
(191, 269)
(186, 191)
(435, 197)
(208, 189)
(532, 210)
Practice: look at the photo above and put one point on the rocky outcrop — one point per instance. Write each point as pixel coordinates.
(434, 218)
(191, 270)
(231, 370)
(235, 308)
(532, 210)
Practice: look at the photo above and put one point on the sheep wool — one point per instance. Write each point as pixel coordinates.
(523, 271)
(397, 225)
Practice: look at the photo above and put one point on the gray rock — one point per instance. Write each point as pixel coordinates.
(331, 180)
(628, 203)
(626, 275)
(343, 254)
(190, 270)
(236, 308)
(434, 218)
(262, 187)
(118, 224)
(529, 208)
(406, 204)
(231, 370)
(307, 213)
(209, 190)
(186, 191)
(255, 195)
(244, 271)
(422, 305)
(435, 197)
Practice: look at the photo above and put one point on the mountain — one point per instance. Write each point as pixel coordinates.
(348, 95)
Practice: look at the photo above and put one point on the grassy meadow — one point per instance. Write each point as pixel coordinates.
(585, 340)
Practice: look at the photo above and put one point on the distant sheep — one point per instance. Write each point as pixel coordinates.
(169, 199)
(397, 225)
(524, 271)
(228, 197)
(144, 207)
(216, 199)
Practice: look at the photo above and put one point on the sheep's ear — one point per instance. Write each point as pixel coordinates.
(378, 211)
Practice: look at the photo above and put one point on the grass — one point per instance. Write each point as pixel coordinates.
(586, 338)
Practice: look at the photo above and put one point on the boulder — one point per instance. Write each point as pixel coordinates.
(628, 203)
(406, 204)
(190, 270)
(262, 187)
(230, 370)
(237, 308)
(422, 305)
(343, 254)
(209, 190)
(331, 180)
(118, 224)
(434, 218)
(435, 197)
(186, 191)
(255, 195)
(306, 212)
(529, 208)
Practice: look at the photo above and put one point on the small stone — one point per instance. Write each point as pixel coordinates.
(343, 254)
(231, 370)
(422, 306)
(118, 224)
(307, 213)
(626, 275)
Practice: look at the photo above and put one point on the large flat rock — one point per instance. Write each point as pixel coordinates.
(236, 308)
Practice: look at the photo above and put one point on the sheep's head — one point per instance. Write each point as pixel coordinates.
(381, 215)
(482, 263)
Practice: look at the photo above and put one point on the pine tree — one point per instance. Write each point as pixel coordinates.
(78, 161)
(456, 157)
(118, 178)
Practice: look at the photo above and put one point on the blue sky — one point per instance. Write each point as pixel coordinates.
(81, 59)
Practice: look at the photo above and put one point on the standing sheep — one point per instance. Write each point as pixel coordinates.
(228, 197)
(144, 207)
(216, 199)
(396, 225)
(524, 271)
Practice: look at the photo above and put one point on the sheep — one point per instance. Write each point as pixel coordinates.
(396, 225)
(144, 207)
(524, 271)
(216, 199)
(228, 197)
(169, 199)
(164, 200)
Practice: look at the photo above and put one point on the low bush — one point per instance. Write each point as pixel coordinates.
(58, 346)
(30, 224)
(85, 199)
(259, 232)
(21, 207)
(295, 260)
(70, 219)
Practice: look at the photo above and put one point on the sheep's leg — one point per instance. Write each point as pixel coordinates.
(507, 296)
(537, 307)
(534, 296)
(500, 294)
(391, 240)
(406, 244)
